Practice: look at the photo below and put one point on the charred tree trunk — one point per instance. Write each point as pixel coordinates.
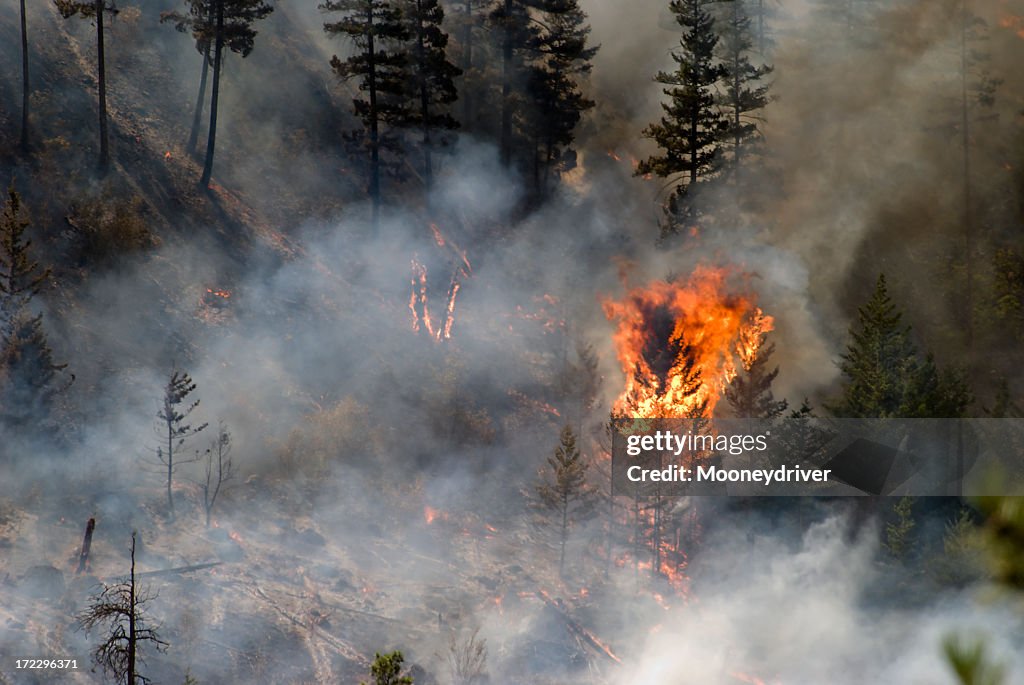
(193, 136)
(83, 557)
(428, 172)
(132, 608)
(371, 55)
(467, 65)
(101, 69)
(24, 81)
(211, 141)
(506, 87)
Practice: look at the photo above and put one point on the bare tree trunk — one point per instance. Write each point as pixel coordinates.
(170, 470)
(24, 81)
(506, 87)
(565, 535)
(101, 68)
(428, 172)
(966, 142)
(374, 121)
(131, 620)
(467, 65)
(193, 136)
(211, 141)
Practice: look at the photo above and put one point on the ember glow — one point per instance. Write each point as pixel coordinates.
(1013, 22)
(679, 343)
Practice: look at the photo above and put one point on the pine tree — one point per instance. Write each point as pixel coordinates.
(750, 393)
(851, 22)
(24, 81)
(977, 92)
(119, 610)
(473, 53)
(691, 129)
(432, 85)
(378, 32)
(898, 533)
(880, 361)
(232, 29)
(95, 11)
(517, 35)
(21, 278)
(564, 491)
(173, 430)
(885, 377)
(29, 383)
(556, 101)
(201, 23)
(762, 12)
(386, 669)
(746, 92)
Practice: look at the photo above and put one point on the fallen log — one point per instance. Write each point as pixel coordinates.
(575, 627)
(172, 571)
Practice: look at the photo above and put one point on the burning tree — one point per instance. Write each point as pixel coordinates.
(750, 393)
(678, 343)
(564, 492)
(173, 429)
(119, 609)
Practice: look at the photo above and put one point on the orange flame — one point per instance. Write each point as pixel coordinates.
(678, 344)
(1013, 22)
(430, 515)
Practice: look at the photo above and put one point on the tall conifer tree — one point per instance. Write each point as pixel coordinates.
(690, 131)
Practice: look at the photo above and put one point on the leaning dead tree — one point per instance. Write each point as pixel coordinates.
(117, 611)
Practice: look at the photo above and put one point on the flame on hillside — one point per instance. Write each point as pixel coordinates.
(437, 327)
(679, 343)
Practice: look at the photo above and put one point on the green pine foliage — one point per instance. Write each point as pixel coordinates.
(898, 533)
(432, 79)
(30, 379)
(884, 376)
(689, 134)
(557, 102)
(746, 91)
(173, 429)
(378, 65)
(386, 669)
(564, 492)
(750, 393)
